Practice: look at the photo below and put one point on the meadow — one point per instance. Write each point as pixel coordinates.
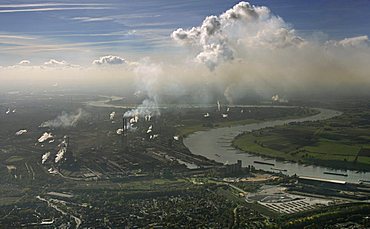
(341, 142)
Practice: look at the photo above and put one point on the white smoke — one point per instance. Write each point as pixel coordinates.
(148, 82)
(60, 154)
(150, 129)
(119, 131)
(62, 150)
(45, 136)
(219, 38)
(45, 157)
(146, 109)
(352, 42)
(275, 98)
(65, 119)
(135, 119)
(148, 118)
(228, 95)
(252, 53)
(112, 115)
(52, 171)
(20, 132)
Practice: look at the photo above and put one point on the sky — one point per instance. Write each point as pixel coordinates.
(178, 48)
(80, 31)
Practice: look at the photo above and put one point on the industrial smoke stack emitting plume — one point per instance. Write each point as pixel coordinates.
(148, 81)
(112, 115)
(63, 146)
(148, 108)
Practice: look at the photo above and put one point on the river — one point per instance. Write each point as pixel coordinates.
(215, 144)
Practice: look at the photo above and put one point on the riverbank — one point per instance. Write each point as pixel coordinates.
(192, 126)
(336, 143)
(215, 144)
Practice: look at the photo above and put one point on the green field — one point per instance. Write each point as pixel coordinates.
(340, 142)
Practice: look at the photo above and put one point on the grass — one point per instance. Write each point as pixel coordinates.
(336, 142)
(333, 148)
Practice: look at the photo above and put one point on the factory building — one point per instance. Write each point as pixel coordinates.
(234, 168)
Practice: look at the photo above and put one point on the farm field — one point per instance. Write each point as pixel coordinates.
(341, 142)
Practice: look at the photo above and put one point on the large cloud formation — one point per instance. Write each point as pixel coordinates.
(249, 50)
(245, 52)
(219, 38)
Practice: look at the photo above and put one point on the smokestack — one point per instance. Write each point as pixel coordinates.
(67, 145)
(123, 126)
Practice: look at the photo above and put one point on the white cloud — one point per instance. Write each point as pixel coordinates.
(53, 63)
(359, 41)
(110, 59)
(24, 62)
(92, 19)
(221, 38)
(11, 36)
(49, 4)
(18, 10)
(213, 54)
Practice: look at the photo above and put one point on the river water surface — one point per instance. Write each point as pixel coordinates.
(215, 144)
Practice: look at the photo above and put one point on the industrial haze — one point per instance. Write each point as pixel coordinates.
(195, 114)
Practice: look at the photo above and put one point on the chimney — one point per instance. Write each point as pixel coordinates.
(123, 126)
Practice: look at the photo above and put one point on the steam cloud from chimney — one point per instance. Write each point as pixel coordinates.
(249, 50)
(66, 119)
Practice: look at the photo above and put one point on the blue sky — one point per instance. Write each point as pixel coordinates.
(80, 31)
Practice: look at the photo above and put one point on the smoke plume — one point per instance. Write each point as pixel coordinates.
(250, 51)
(65, 119)
(244, 54)
(218, 38)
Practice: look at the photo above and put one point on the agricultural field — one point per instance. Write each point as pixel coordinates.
(341, 142)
